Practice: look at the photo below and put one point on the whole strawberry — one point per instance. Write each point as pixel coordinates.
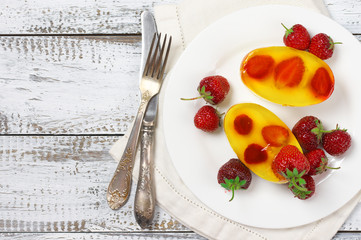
(234, 175)
(212, 89)
(318, 162)
(322, 46)
(297, 37)
(291, 165)
(336, 142)
(207, 119)
(308, 131)
(306, 189)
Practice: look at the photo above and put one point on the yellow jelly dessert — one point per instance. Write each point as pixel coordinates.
(287, 76)
(256, 135)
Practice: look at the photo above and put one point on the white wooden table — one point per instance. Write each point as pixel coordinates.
(68, 91)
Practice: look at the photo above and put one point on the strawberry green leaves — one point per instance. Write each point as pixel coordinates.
(233, 184)
(301, 185)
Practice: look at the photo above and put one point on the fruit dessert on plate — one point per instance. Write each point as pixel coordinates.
(287, 76)
(265, 144)
(295, 74)
(256, 135)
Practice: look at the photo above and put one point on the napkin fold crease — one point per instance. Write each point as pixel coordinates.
(184, 21)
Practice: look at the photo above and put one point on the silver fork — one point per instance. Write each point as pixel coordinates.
(150, 84)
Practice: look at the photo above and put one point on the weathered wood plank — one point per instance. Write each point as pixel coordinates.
(114, 17)
(353, 222)
(68, 84)
(58, 184)
(347, 13)
(132, 236)
(101, 236)
(74, 17)
(347, 236)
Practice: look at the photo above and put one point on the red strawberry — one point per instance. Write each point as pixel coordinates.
(308, 131)
(336, 142)
(318, 162)
(212, 89)
(322, 46)
(234, 175)
(290, 157)
(306, 189)
(207, 119)
(296, 37)
(291, 164)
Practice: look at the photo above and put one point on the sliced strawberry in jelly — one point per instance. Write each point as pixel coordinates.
(321, 83)
(255, 153)
(259, 66)
(289, 72)
(243, 124)
(275, 135)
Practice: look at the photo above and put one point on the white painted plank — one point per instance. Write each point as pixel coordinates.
(68, 84)
(114, 17)
(346, 12)
(73, 16)
(353, 222)
(347, 236)
(132, 236)
(59, 183)
(101, 236)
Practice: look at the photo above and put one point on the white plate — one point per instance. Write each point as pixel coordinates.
(197, 155)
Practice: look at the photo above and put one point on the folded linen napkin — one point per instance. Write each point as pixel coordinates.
(184, 21)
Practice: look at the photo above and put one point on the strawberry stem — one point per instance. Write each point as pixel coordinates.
(294, 183)
(334, 168)
(203, 94)
(233, 184)
(288, 31)
(332, 44)
(194, 98)
(232, 189)
(330, 131)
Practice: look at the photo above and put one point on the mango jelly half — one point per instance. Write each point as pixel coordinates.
(256, 135)
(287, 76)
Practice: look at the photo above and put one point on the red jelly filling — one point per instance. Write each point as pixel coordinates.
(321, 83)
(243, 124)
(289, 72)
(259, 66)
(275, 135)
(255, 153)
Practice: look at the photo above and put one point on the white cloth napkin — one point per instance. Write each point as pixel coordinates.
(184, 21)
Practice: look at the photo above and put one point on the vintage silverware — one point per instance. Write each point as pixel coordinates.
(144, 202)
(152, 79)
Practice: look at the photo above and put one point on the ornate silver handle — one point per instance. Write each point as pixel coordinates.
(119, 187)
(144, 203)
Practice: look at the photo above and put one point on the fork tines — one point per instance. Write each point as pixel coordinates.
(155, 67)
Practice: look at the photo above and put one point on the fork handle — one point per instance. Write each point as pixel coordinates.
(144, 202)
(119, 187)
